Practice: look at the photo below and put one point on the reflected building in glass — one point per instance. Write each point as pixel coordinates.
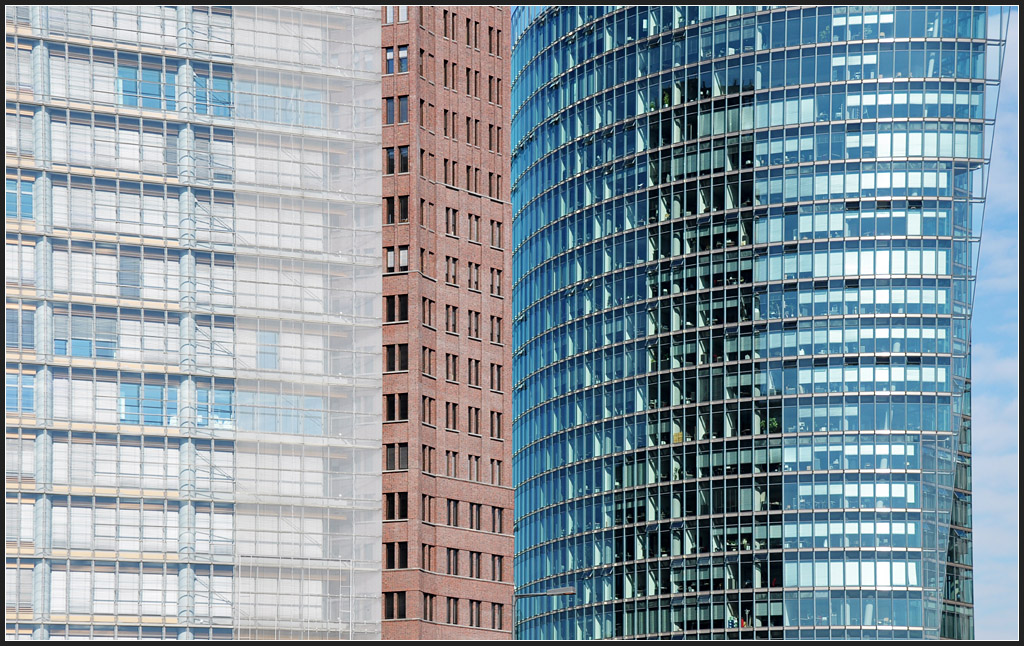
(193, 323)
(745, 241)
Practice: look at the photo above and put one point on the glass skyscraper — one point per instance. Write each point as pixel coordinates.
(745, 243)
(193, 322)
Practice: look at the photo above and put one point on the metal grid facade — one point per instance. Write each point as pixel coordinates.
(193, 314)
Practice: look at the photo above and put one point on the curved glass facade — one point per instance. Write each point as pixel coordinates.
(745, 243)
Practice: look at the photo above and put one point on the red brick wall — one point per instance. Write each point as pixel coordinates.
(425, 30)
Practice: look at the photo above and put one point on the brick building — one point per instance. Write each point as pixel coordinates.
(447, 318)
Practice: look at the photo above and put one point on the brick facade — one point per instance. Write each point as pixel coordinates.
(456, 370)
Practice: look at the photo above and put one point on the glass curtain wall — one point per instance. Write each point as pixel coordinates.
(193, 322)
(745, 245)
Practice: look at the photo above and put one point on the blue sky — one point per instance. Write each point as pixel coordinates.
(995, 375)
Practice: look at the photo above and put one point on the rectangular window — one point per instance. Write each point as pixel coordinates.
(427, 361)
(396, 505)
(403, 159)
(396, 357)
(394, 605)
(427, 410)
(428, 603)
(451, 270)
(497, 518)
(497, 568)
(497, 612)
(451, 415)
(396, 555)
(474, 515)
(403, 59)
(451, 319)
(19, 198)
(396, 308)
(389, 210)
(453, 561)
(496, 240)
(496, 419)
(453, 512)
(389, 111)
(474, 613)
(427, 312)
(396, 407)
(396, 457)
(453, 610)
(473, 378)
(474, 421)
(495, 329)
(473, 281)
(451, 221)
(389, 161)
(495, 282)
(474, 324)
(451, 468)
(389, 60)
(403, 209)
(396, 259)
(451, 372)
(496, 472)
(403, 109)
(496, 377)
(427, 508)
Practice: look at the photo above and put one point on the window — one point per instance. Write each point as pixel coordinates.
(396, 457)
(497, 610)
(396, 555)
(453, 561)
(474, 324)
(396, 505)
(426, 262)
(451, 319)
(474, 516)
(396, 407)
(451, 468)
(403, 209)
(19, 198)
(495, 329)
(428, 606)
(495, 282)
(389, 60)
(403, 109)
(403, 159)
(427, 361)
(497, 568)
(474, 613)
(389, 111)
(496, 472)
(496, 520)
(475, 559)
(474, 420)
(473, 463)
(496, 377)
(427, 508)
(391, 216)
(496, 424)
(474, 228)
(427, 410)
(427, 312)
(427, 465)
(396, 308)
(451, 221)
(396, 357)
(451, 416)
(153, 88)
(427, 561)
(403, 59)
(389, 161)
(20, 394)
(394, 605)
(496, 240)
(453, 512)
(451, 370)
(396, 259)
(453, 610)
(389, 15)
(451, 270)
(403, 13)
(473, 281)
(21, 330)
(473, 370)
